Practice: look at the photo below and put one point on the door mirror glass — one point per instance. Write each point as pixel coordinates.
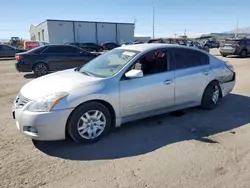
(134, 74)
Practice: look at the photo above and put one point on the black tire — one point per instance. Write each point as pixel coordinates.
(72, 126)
(243, 53)
(224, 55)
(207, 102)
(40, 69)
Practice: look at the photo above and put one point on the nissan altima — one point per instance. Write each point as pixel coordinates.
(125, 84)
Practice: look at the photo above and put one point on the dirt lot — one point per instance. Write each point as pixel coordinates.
(201, 149)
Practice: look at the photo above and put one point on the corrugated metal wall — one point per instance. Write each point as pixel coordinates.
(106, 32)
(85, 32)
(60, 32)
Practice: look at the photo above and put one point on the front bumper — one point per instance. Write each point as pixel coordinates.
(47, 125)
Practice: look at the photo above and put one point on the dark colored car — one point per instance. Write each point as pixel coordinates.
(109, 45)
(90, 47)
(43, 59)
(9, 51)
(196, 44)
(212, 44)
(239, 47)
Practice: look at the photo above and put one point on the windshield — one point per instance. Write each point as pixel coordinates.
(108, 64)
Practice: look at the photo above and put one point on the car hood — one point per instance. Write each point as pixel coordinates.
(62, 81)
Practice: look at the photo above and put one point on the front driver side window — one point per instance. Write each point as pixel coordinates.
(152, 63)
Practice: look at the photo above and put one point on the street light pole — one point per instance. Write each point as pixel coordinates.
(153, 21)
(237, 26)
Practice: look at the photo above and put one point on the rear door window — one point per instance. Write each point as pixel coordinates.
(187, 58)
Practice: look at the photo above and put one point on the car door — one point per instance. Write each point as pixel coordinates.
(56, 57)
(78, 57)
(192, 75)
(151, 92)
(7, 51)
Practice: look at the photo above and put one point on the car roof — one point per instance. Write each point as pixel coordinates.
(150, 46)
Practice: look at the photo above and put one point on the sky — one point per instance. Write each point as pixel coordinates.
(171, 16)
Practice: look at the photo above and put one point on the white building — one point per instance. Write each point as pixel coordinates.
(63, 31)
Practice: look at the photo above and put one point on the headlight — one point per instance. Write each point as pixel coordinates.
(47, 103)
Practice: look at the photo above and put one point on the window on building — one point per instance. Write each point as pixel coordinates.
(43, 35)
(39, 36)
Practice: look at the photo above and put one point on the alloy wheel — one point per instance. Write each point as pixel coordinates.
(215, 95)
(91, 124)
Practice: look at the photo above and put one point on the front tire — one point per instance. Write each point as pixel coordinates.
(89, 123)
(224, 55)
(211, 96)
(40, 69)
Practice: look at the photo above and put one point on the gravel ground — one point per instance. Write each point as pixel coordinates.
(201, 149)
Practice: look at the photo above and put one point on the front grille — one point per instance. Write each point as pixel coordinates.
(21, 101)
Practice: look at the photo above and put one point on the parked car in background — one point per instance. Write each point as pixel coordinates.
(179, 41)
(90, 47)
(109, 46)
(125, 84)
(236, 46)
(31, 44)
(196, 44)
(211, 44)
(9, 51)
(47, 58)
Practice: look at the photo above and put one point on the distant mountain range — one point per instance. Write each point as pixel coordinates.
(240, 30)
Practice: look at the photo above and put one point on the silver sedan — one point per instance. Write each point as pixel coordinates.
(124, 84)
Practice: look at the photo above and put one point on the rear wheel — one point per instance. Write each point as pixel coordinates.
(211, 96)
(243, 53)
(89, 123)
(40, 69)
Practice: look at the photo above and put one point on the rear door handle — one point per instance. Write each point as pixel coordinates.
(167, 82)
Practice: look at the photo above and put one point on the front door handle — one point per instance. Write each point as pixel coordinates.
(206, 72)
(167, 82)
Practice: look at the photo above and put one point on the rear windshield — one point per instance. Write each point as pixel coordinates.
(38, 50)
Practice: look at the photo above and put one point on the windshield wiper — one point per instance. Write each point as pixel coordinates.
(86, 73)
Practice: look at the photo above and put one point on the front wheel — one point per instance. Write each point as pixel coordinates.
(89, 123)
(211, 96)
(224, 55)
(40, 69)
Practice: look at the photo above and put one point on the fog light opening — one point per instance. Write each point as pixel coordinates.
(30, 129)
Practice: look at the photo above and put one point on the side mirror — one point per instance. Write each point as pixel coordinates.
(134, 74)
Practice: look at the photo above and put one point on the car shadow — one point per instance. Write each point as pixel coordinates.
(147, 135)
(237, 57)
(30, 76)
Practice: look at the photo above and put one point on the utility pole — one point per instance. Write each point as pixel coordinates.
(185, 33)
(153, 21)
(237, 26)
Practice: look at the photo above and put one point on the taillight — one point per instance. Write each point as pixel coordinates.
(235, 45)
(19, 57)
